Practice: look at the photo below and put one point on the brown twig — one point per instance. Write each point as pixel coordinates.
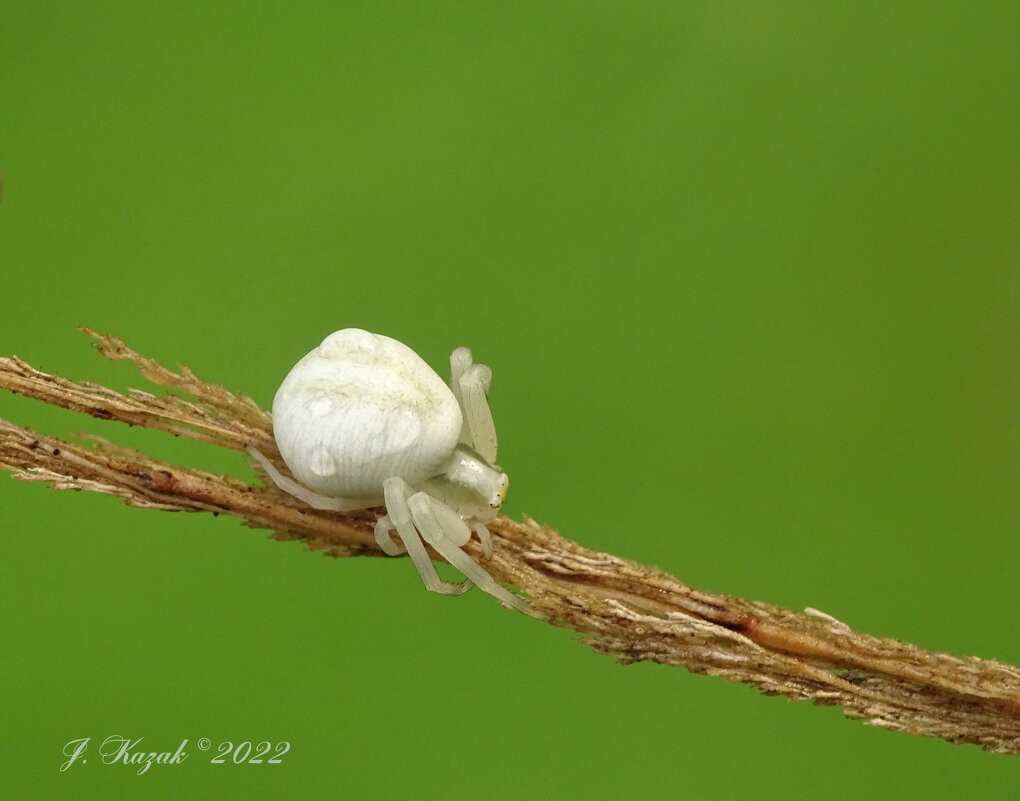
(624, 609)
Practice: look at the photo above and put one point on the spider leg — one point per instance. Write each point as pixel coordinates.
(470, 384)
(457, 530)
(396, 492)
(383, 527)
(421, 506)
(313, 499)
(484, 537)
(474, 385)
(460, 360)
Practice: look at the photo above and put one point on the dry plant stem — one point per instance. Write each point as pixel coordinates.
(623, 609)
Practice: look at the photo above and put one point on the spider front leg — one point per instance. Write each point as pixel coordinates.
(396, 492)
(443, 529)
(470, 384)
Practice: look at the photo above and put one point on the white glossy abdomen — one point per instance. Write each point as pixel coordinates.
(362, 408)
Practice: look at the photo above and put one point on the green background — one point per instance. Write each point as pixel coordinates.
(747, 276)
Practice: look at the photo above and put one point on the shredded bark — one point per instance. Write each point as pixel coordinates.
(623, 609)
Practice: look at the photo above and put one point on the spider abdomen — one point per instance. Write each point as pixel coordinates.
(362, 408)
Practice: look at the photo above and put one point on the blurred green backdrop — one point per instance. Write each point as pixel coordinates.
(747, 276)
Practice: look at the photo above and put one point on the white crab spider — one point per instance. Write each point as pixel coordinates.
(363, 421)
